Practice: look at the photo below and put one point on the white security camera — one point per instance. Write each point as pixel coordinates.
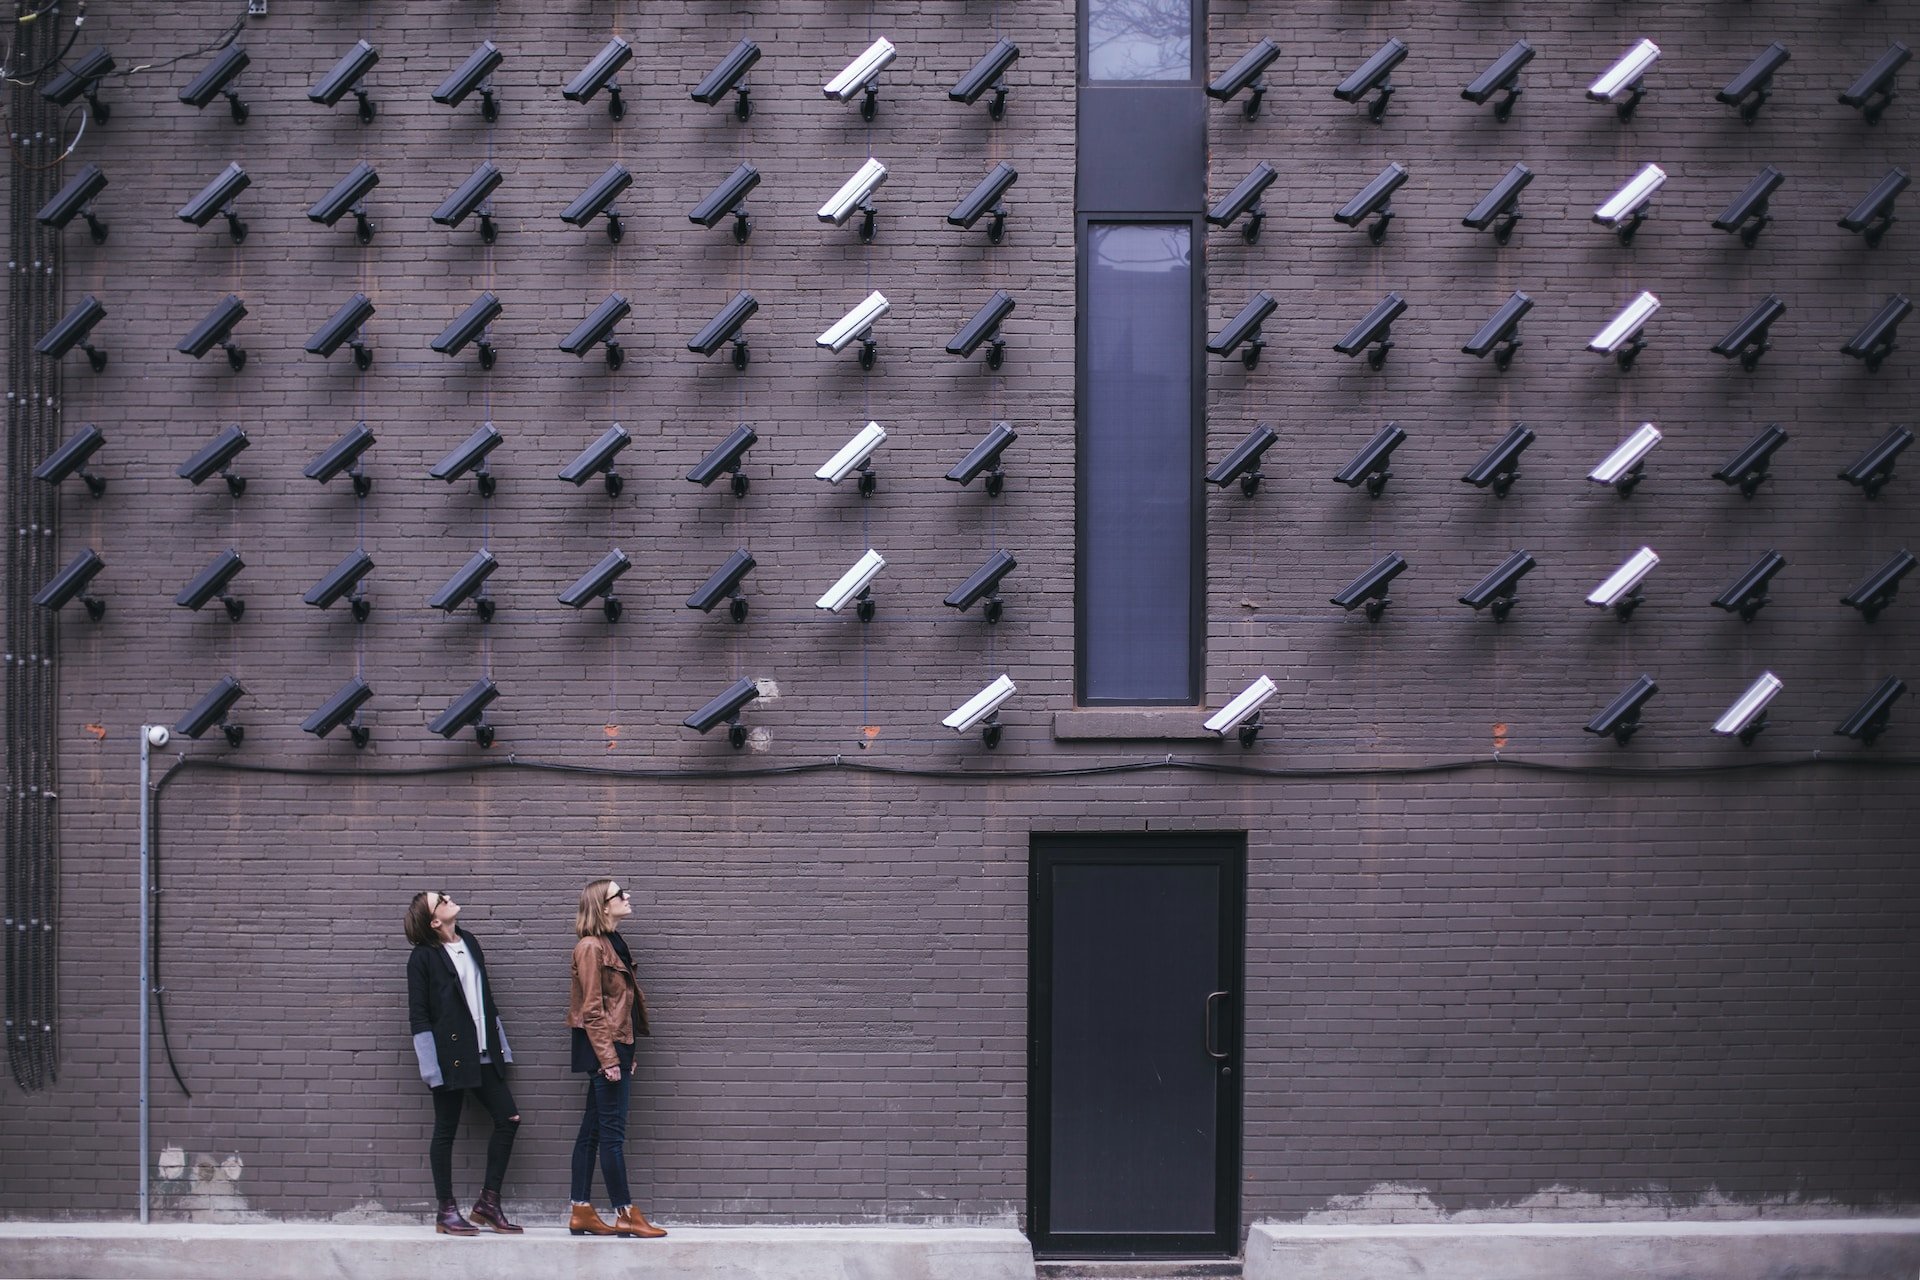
(854, 584)
(855, 322)
(853, 455)
(1621, 590)
(1243, 713)
(159, 735)
(981, 711)
(1621, 468)
(1620, 83)
(1747, 716)
(859, 76)
(1626, 209)
(1621, 336)
(854, 193)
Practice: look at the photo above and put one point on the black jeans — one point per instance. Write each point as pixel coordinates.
(447, 1105)
(603, 1130)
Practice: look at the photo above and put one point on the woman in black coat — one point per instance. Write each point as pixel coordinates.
(458, 1038)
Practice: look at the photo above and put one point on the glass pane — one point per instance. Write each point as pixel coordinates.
(1139, 39)
(1136, 466)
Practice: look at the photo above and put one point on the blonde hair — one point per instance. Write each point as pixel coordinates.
(592, 919)
(418, 922)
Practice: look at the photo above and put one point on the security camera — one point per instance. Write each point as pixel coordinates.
(1869, 719)
(984, 327)
(71, 459)
(725, 709)
(597, 199)
(1748, 594)
(468, 583)
(213, 581)
(989, 72)
(82, 80)
(1499, 204)
(983, 584)
(1622, 469)
(1748, 714)
(216, 200)
(1874, 214)
(1623, 83)
(1748, 213)
(1370, 588)
(470, 75)
(725, 459)
(1244, 199)
(212, 711)
(345, 78)
(1872, 469)
(1620, 590)
(982, 711)
(725, 327)
(726, 78)
(1620, 719)
(471, 455)
(859, 75)
(1500, 331)
(1241, 716)
(1877, 592)
(1369, 466)
(71, 583)
(1497, 590)
(1626, 209)
(1749, 90)
(856, 194)
(467, 199)
(344, 327)
(76, 199)
(1749, 467)
(597, 584)
(987, 196)
(346, 197)
(985, 456)
(1502, 77)
(599, 74)
(470, 708)
(1372, 76)
(159, 735)
(725, 585)
(729, 199)
(598, 328)
(1242, 463)
(342, 454)
(1874, 89)
(1620, 338)
(337, 710)
(73, 331)
(216, 330)
(1501, 465)
(1245, 74)
(1244, 330)
(1373, 202)
(854, 456)
(1748, 339)
(1374, 330)
(216, 79)
(215, 458)
(855, 584)
(597, 459)
(340, 580)
(1875, 342)
(857, 323)
(469, 325)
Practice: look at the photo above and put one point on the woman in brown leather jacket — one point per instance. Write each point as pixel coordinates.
(606, 1012)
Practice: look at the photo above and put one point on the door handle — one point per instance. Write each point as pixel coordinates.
(1209, 1037)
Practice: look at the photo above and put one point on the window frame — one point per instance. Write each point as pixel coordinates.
(1196, 48)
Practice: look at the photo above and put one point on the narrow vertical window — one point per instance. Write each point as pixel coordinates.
(1139, 40)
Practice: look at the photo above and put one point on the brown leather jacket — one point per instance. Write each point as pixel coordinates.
(606, 1001)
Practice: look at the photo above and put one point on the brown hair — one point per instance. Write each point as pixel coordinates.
(418, 922)
(591, 920)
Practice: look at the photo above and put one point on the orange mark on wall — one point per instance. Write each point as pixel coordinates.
(613, 736)
(97, 731)
(1499, 736)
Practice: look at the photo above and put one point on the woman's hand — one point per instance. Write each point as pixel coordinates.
(612, 1074)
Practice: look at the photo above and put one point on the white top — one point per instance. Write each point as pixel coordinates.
(469, 985)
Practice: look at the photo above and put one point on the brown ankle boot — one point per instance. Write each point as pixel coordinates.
(488, 1213)
(450, 1223)
(586, 1221)
(633, 1223)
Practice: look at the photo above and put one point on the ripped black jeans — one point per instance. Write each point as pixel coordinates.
(447, 1105)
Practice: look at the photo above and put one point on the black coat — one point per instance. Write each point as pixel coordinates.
(444, 1036)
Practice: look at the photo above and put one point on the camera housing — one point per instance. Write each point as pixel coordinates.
(216, 330)
(1873, 91)
(1877, 592)
(725, 709)
(1498, 204)
(1371, 76)
(468, 583)
(1748, 714)
(1244, 330)
(1748, 339)
(598, 459)
(856, 195)
(1241, 715)
(344, 327)
(471, 455)
(725, 585)
(1624, 83)
(984, 327)
(1875, 341)
(1748, 214)
(1501, 465)
(725, 327)
(1500, 331)
(1620, 590)
(1872, 469)
(1370, 588)
(341, 710)
(1375, 330)
(597, 583)
(1244, 199)
(1748, 469)
(989, 72)
(1626, 208)
(1501, 77)
(1370, 465)
(75, 198)
(855, 456)
(345, 78)
(469, 325)
(1246, 74)
(216, 79)
(212, 710)
(985, 456)
(857, 323)
(340, 580)
(82, 80)
(215, 458)
(75, 330)
(856, 584)
(983, 584)
(216, 200)
(1373, 202)
(1621, 337)
(982, 711)
(858, 77)
(729, 198)
(598, 328)
(988, 195)
(212, 582)
(469, 709)
(1869, 719)
(1749, 90)
(1620, 719)
(598, 74)
(71, 583)
(346, 197)
(1623, 469)
(342, 454)
(597, 199)
(1874, 214)
(1497, 590)
(1748, 594)
(727, 78)
(471, 75)
(469, 198)
(725, 459)
(1242, 462)
(71, 459)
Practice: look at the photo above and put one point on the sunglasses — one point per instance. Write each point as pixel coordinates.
(434, 899)
(616, 893)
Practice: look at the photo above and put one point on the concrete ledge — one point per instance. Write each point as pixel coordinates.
(1818, 1249)
(1131, 724)
(125, 1251)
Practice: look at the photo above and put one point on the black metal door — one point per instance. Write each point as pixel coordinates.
(1134, 1086)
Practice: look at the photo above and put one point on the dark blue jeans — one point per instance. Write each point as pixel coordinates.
(603, 1131)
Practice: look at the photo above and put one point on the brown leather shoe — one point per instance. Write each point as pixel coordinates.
(632, 1223)
(450, 1223)
(586, 1221)
(488, 1213)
